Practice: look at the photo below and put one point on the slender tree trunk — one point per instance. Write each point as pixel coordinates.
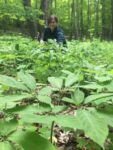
(77, 20)
(112, 19)
(81, 20)
(89, 18)
(103, 18)
(45, 9)
(32, 27)
(96, 18)
(73, 18)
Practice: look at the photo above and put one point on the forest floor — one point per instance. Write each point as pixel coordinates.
(66, 91)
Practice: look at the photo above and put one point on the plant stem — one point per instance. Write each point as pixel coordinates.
(51, 135)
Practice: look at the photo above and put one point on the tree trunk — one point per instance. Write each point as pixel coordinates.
(81, 20)
(73, 18)
(77, 20)
(44, 7)
(112, 19)
(32, 27)
(96, 18)
(89, 18)
(103, 18)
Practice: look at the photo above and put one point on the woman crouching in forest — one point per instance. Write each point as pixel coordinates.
(53, 31)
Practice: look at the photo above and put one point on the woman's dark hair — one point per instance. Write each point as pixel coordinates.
(52, 18)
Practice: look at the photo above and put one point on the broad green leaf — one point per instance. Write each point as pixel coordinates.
(31, 109)
(44, 95)
(94, 127)
(11, 98)
(109, 86)
(6, 146)
(103, 100)
(62, 120)
(44, 99)
(103, 79)
(68, 100)
(58, 109)
(28, 80)
(95, 97)
(8, 105)
(66, 72)
(11, 82)
(56, 82)
(45, 91)
(33, 118)
(68, 121)
(92, 86)
(86, 120)
(7, 126)
(78, 97)
(45, 132)
(106, 114)
(30, 140)
(71, 79)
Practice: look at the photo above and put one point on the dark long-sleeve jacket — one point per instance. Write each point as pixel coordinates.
(57, 34)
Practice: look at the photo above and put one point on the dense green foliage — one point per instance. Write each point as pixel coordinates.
(43, 60)
(54, 97)
(79, 18)
(44, 85)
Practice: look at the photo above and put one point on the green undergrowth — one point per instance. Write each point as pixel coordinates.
(44, 85)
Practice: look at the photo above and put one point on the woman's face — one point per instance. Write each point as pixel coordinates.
(53, 24)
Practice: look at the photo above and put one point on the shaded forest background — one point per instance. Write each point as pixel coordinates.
(79, 18)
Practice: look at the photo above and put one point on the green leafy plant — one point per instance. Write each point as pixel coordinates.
(72, 89)
(35, 104)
